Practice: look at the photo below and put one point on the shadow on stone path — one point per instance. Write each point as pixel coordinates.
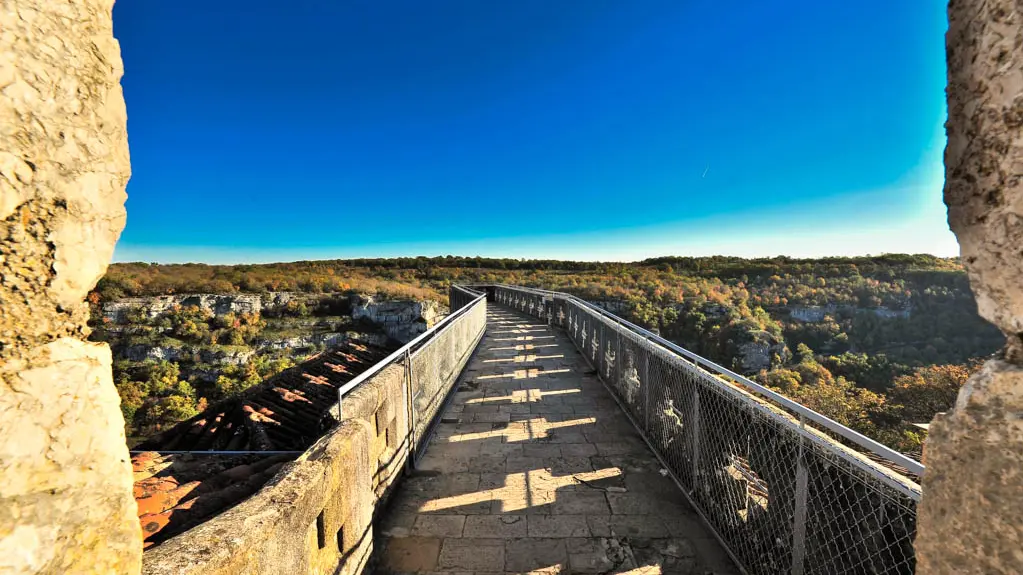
(534, 469)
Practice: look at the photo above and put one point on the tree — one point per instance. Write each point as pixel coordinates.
(917, 397)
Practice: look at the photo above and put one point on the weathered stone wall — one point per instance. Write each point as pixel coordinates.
(344, 477)
(971, 516)
(382, 405)
(347, 473)
(65, 478)
(315, 517)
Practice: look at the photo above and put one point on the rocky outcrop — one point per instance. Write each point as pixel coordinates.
(66, 501)
(815, 313)
(303, 341)
(756, 354)
(615, 306)
(328, 339)
(277, 298)
(969, 518)
(401, 320)
(152, 307)
(187, 353)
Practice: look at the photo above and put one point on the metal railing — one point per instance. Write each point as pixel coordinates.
(461, 296)
(431, 365)
(785, 489)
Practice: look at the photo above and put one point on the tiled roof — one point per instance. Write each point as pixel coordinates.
(282, 413)
(176, 491)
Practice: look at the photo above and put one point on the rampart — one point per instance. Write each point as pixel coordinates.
(316, 515)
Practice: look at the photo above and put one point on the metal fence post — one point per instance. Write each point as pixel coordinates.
(410, 462)
(799, 512)
(603, 341)
(694, 437)
(618, 354)
(646, 387)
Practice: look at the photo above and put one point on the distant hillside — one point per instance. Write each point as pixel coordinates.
(875, 342)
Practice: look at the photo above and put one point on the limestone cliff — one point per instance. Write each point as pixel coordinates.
(151, 307)
(401, 320)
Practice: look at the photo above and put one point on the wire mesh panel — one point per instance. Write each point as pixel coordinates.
(434, 367)
(854, 525)
(781, 494)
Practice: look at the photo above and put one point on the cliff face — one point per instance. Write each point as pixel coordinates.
(195, 354)
(814, 313)
(755, 355)
(401, 320)
(151, 307)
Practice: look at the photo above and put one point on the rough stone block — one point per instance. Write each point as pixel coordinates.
(496, 526)
(438, 526)
(638, 526)
(473, 554)
(411, 554)
(972, 489)
(581, 503)
(558, 526)
(589, 556)
(532, 555)
(541, 450)
(578, 450)
(62, 444)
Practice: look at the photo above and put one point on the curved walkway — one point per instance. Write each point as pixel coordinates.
(534, 468)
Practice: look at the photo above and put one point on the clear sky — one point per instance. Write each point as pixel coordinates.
(579, 129)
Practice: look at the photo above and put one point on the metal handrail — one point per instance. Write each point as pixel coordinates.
(859, 439)
(407, 348)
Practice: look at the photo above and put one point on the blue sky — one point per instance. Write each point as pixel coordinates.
(589, 129)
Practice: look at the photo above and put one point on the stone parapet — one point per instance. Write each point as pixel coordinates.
(314, 517)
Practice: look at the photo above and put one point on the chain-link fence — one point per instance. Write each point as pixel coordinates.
(431, 364)
(777, 482)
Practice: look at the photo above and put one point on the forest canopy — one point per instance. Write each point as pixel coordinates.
(875, 342)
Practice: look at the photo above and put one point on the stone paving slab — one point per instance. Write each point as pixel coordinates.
(534, 469)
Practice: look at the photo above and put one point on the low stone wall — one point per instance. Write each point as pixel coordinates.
(380, 403)
(315, 516)
(292, 525)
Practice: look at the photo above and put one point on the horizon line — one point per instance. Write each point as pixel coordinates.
(539, 259)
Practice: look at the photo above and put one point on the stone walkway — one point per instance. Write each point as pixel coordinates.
(534, 469)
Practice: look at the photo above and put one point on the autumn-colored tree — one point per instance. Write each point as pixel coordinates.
(928, 390)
